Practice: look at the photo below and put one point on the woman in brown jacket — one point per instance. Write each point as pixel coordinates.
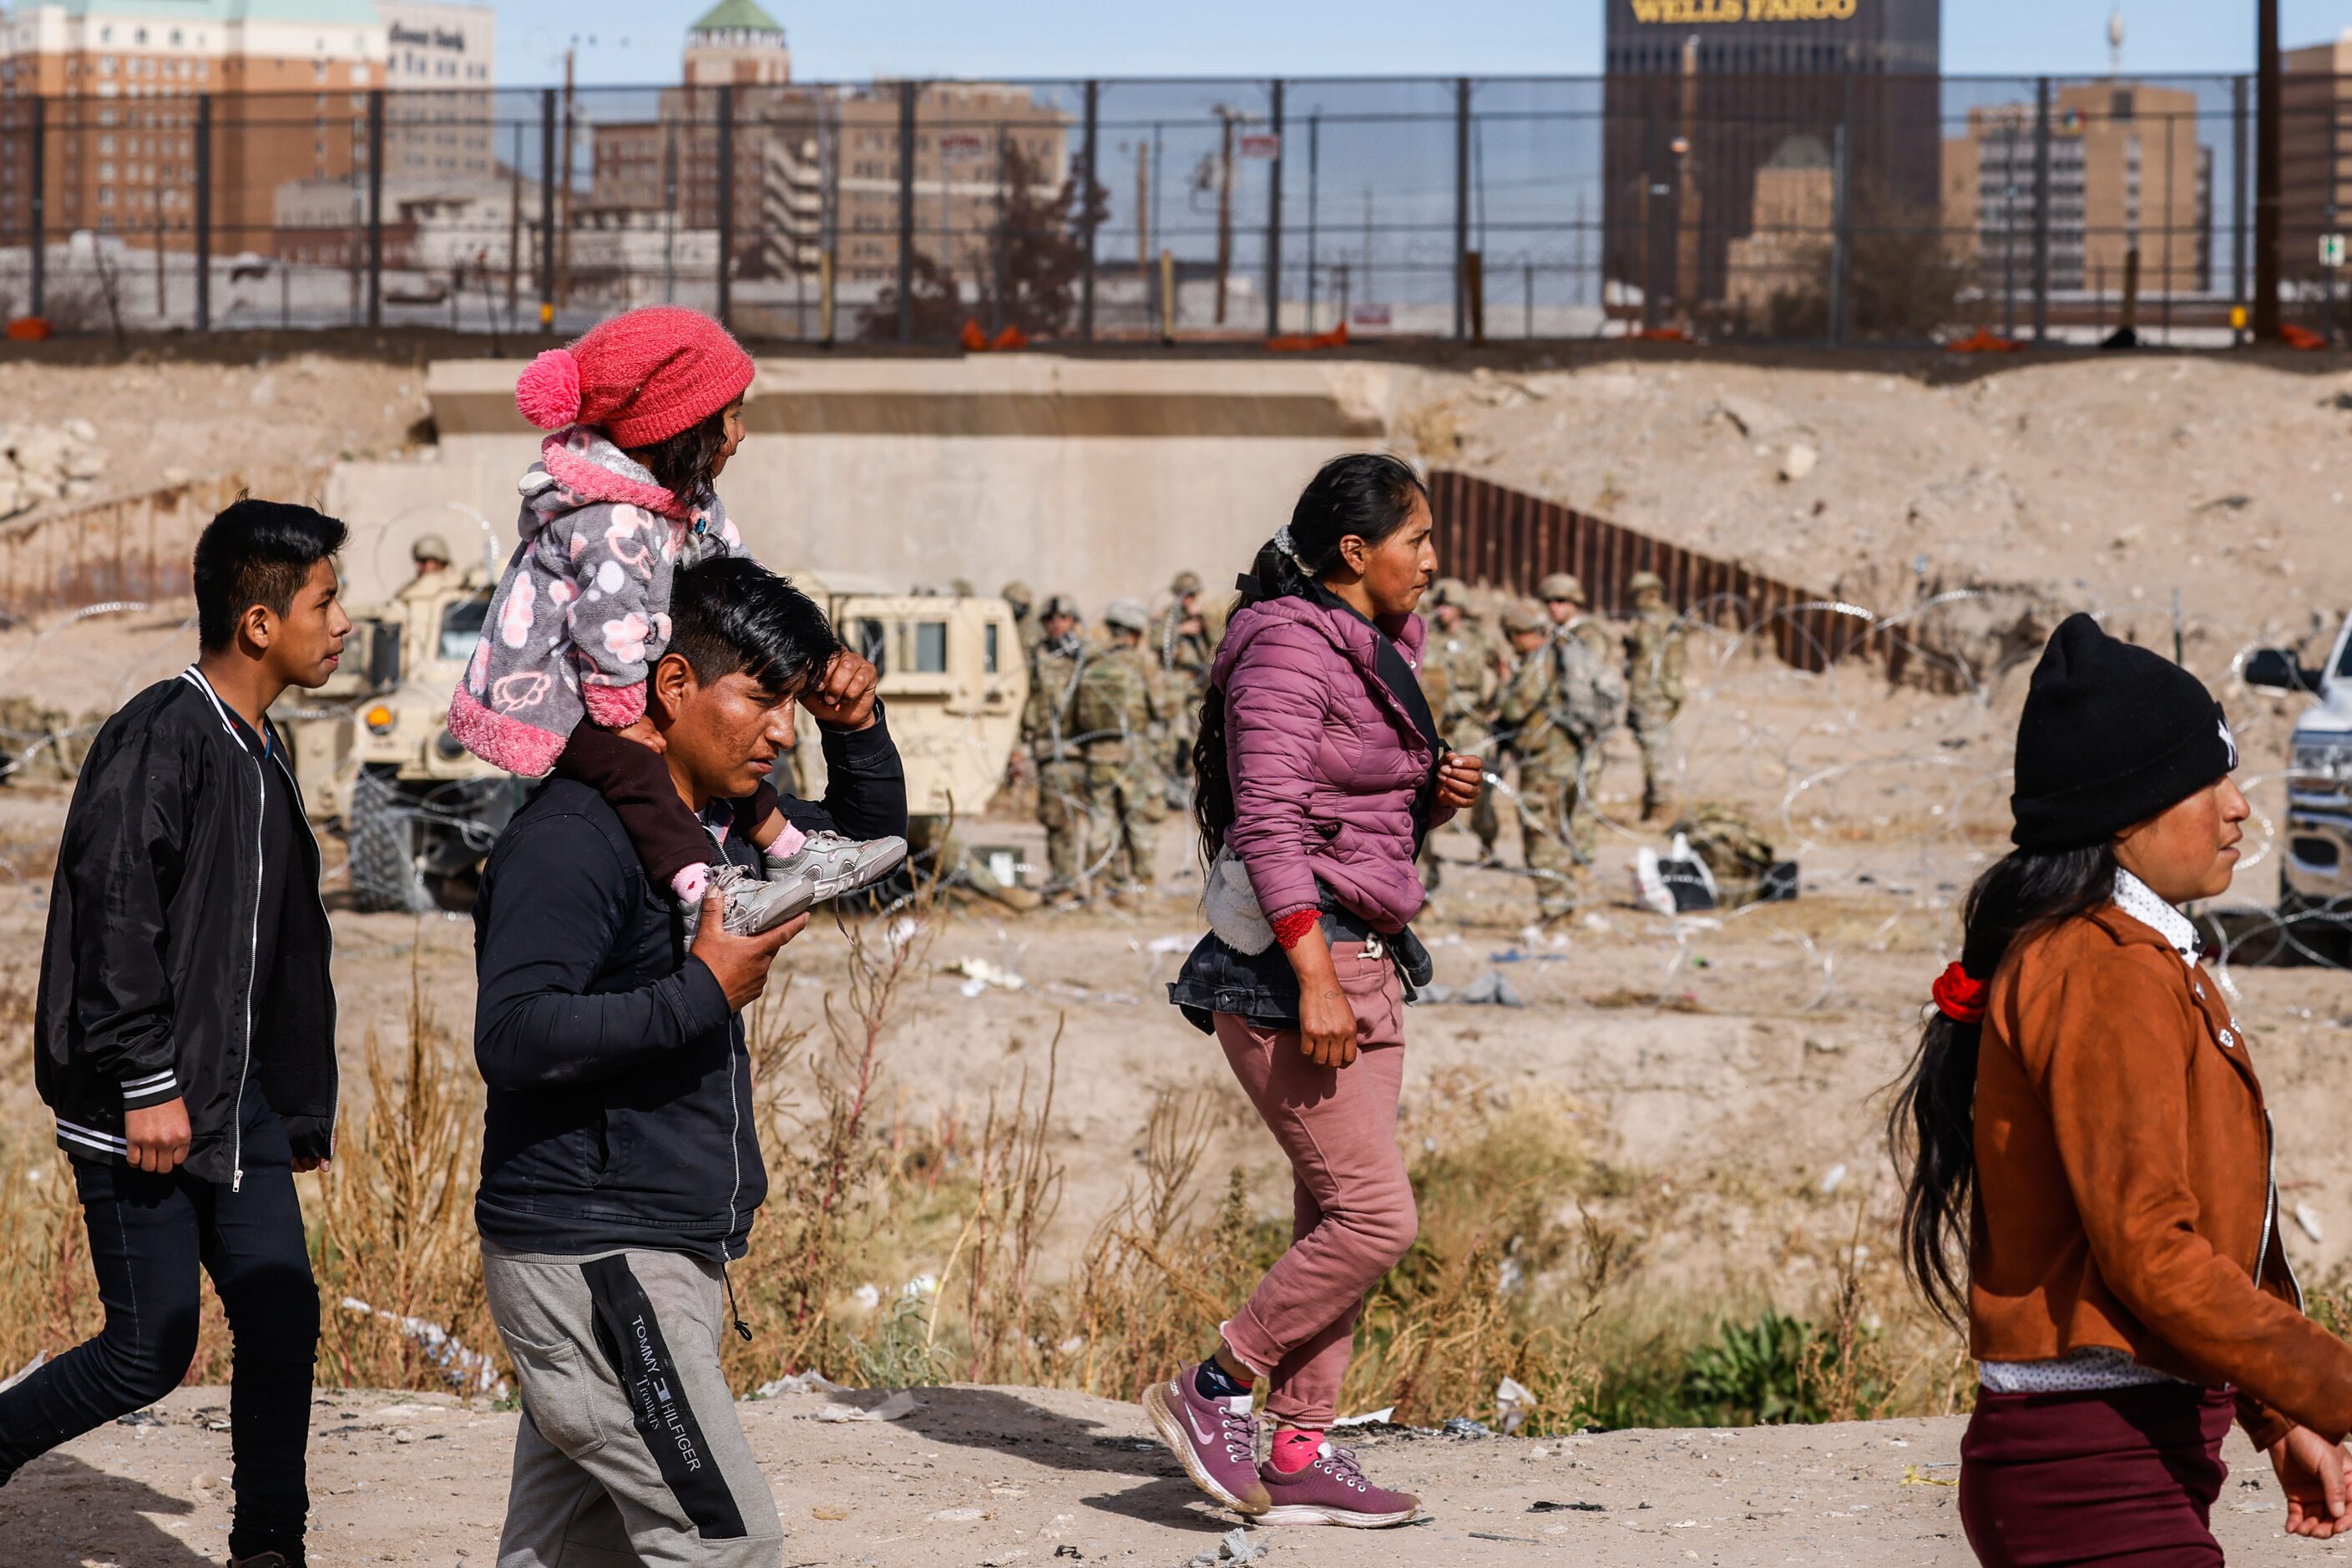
(2083, 1110)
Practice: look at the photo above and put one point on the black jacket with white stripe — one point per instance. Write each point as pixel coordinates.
(147, 969)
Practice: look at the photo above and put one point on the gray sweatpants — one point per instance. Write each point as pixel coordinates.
(629, 1449)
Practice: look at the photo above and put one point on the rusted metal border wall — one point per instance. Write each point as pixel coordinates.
(1497, 537)
(134, 547)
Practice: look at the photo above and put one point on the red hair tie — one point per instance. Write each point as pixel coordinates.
(1960, 998)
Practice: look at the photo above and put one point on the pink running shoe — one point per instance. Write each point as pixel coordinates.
(1216, 1439)
(1333, 1491)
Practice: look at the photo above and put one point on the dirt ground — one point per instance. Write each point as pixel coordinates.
(994, 1477)
(1730, 1068)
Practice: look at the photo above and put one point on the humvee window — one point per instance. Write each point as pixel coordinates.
(382, 654)
(461, 627)
(988, 648)
(930, 647)
(871, 638)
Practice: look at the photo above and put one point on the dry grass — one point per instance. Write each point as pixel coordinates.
(1530, 1266)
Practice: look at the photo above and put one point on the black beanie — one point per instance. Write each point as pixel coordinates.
(2112, 735)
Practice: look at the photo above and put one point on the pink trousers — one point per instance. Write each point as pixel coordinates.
(1352, 1214)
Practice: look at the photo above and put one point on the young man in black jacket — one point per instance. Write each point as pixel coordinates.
(620, 1164)
(185, 1026)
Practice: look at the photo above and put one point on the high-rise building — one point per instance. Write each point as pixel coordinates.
(441, 64)
(2127, 172)
(815, 166)
(1701, 95)
(287, 79)
(2315, 152)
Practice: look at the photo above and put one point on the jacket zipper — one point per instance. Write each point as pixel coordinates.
(326, 923)
(253, 943)
(252, 957)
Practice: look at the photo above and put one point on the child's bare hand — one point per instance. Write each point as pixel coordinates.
(641, 729)
(844, 698)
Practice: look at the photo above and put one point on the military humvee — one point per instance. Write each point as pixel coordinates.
(374, 753)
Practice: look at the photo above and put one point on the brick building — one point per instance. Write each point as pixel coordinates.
(289, 80)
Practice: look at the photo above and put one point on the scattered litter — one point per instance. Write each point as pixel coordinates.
(999, 1559)
(898, 1407)
(468, 1371)
(1797, 462)
(1489, 1536)
(921, 1285)
(903, 929)
(26, 1371)
(1489, 990)
(151, 1417)
(1514, 1403)
(978, 974)
(1160, 946)
(1832, 1179)
(1514, 955)
(1380, 1417)
(1462, 1426)
(1566, 1508)
(1144, 1445)
(1235, 1546)
(832, 1510)
(799, 1383)
(962, 1515)
(2309, 1220)
(1078, 994)
(1912, 1477)
(868, 1296)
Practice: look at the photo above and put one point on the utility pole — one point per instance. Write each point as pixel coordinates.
(1143, 219)
(2266, 171)
(1313, 160)
(564, 235)
(1227, 118)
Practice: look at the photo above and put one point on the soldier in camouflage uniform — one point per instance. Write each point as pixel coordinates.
(1022, 600)
(1559, 706)
(1122, 711)
(1457, 677)
(1570, 612)
(1048, 728)
(1185, 647)
(1654, 687)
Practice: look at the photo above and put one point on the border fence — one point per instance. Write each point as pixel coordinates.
(1818, 209)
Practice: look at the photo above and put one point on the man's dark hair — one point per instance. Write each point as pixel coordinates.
(733, 616)
(257, 553)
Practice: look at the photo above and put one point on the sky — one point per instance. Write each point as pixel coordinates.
(637, 41)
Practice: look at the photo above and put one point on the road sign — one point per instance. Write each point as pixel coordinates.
(1258, 144)
(2331, 250)
(1371, 316)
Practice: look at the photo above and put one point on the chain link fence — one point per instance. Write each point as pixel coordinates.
(1819, 208)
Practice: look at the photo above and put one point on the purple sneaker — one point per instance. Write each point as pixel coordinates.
(1333, 1491)
(1215, 1438)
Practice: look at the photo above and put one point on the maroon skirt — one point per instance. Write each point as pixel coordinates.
(2113, 1475)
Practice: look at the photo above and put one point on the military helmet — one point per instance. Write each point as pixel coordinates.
(1018, 595)
(1520, 619)
(431, 547)
(1127, 614)
(1449, 590)
(1561, 586)
(1060, 604)
(1185, 582)
(1645, 583)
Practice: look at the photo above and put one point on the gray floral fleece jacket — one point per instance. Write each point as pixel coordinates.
(582, 612)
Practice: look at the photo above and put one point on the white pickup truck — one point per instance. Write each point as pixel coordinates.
(2316, 870)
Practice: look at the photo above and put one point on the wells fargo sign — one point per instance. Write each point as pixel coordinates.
(1684, 12)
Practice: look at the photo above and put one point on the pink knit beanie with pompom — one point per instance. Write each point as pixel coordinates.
(643, 375)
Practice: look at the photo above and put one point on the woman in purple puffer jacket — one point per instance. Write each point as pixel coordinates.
(1318, 773)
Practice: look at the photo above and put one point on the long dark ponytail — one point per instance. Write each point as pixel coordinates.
(1933, 1118)
(1370, 495)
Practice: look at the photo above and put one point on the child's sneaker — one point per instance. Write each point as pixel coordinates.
(828, 865)
(1216, 1439)
(752, 905)
(1332, 1490)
